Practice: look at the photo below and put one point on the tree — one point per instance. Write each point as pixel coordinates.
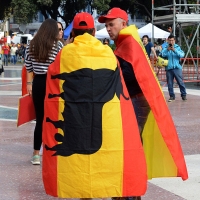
(142, 7)
(102, 6)
(65, 9)
(24, 11)
(4, 9)
(49, 8)
(70, 8)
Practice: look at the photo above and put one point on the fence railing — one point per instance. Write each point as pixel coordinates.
(191, 72)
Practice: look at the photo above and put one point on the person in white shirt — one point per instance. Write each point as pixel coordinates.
(13, 54)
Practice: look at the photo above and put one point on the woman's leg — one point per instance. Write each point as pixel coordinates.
(38, 93)
(6, 60)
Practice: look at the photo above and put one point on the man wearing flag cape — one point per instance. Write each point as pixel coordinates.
(162, 148)
(92, 146)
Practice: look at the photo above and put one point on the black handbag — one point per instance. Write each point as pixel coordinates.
(1, 69)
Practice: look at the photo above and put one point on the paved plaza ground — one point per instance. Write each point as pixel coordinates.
(20, 180)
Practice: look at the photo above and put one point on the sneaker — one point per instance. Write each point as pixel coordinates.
(184, 98)
(36, 160)
(171, 99)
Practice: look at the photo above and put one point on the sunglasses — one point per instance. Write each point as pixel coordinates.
(60, 29)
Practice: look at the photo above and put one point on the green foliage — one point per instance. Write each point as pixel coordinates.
(5, 9)
(102, 6)
(193, 49)
(24, 11)
(141, 7)
(112, 46)
(70, 8)
(45, 2)
(49, 7)
(192, 1)
(189, 32)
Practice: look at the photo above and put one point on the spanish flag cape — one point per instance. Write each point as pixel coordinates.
(161, 144)
(92, 146)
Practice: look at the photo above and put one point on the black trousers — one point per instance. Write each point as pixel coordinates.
(38, 93)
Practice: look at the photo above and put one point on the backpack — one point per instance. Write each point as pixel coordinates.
(20, 52)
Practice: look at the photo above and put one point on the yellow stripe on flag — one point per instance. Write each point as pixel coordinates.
(95, 169)
(156, 152)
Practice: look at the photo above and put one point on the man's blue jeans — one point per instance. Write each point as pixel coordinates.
(5, 59)
(177, 74)
(13, 59)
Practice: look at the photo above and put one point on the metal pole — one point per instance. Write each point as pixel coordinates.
(198, 2)
(198, 48)
(174, 17)
(198, 51)
(152, 17)
(189, 46)
(180, 36)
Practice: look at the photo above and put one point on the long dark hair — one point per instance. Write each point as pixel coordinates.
(61, 26)
(61, 39)
(41, 45)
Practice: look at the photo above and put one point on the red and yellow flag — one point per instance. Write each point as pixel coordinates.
(91, 140)
(161, 144)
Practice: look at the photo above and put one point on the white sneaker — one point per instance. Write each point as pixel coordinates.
(36, 160)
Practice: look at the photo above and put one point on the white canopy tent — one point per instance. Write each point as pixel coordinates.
(158, 33)
(101, 34)
(145, 30)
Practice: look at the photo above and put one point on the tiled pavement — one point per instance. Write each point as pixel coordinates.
(19, 180)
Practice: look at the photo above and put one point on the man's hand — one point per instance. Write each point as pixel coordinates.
(170, 48)
(69, 40)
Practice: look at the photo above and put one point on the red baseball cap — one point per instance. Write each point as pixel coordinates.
(113, 14)
(83, 17)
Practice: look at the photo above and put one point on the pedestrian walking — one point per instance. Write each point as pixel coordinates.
(6, 50)
(13, 54)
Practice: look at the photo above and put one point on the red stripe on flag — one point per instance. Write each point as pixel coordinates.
(135, 172)
(50, 162)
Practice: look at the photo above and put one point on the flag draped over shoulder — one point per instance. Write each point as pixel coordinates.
(161, 144)
(91, 140)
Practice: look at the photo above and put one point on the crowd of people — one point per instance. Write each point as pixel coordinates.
(12, 53)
